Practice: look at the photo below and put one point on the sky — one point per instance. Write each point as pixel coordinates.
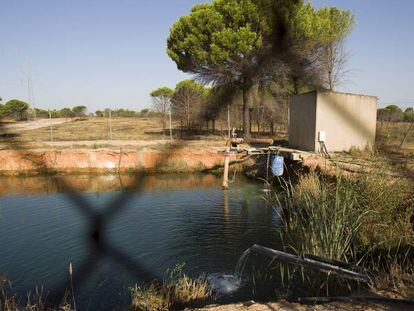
(112, 53)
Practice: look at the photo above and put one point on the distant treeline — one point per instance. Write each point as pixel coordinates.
(393, 113)
(126, 113)
(20, 110)
(197, 107)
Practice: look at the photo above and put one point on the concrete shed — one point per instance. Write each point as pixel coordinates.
(340, 120)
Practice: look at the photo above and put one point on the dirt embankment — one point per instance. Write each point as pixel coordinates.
(178, 159)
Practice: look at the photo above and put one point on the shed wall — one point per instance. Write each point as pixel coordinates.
(349, 120)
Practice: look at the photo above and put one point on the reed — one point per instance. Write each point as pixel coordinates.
(176, 292)
(360, 219)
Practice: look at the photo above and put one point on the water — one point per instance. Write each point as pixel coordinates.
(226, 284)
(238, 272)
(174, 219)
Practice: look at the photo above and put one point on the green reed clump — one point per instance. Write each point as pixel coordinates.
(177, 291)
(349, 218)
(363, 219)
(322, 218)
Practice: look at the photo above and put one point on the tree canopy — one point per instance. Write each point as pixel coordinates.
(161, 99)
(246, 42)
(162, 92)
(79, 110)
(3, 111)
(333, 24)
(188, 101)
(15, 107)
(221, 42)
(218, 41)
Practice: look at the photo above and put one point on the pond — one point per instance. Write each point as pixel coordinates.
(167, 220)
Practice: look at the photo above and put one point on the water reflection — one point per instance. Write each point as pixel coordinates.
(174, 219)
(103, 183)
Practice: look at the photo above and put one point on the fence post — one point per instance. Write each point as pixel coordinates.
(110, 125)
(51, 128)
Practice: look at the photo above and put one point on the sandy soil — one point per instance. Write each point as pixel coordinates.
(286, 306)
(18, 127)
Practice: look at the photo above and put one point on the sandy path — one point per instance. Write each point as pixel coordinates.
(22, 126)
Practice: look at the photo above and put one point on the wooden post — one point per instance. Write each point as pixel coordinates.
(226, 167)
(110, 124)
(228, 121)
(51, 129)
(120, 159)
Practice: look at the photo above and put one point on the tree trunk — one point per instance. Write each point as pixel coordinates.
(164, 122)
(214, 126)
(295, 83)
(330, 67)
(248, 97)
(251, 120)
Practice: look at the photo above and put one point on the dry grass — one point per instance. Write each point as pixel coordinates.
(93, 133)
(36, 301)
(98, 129)
(176, 292)
(399, 283)
(399, 163)
(389, 136)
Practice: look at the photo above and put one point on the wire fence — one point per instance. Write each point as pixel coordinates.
(99, 246)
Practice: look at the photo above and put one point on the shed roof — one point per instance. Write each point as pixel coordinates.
(328, 91)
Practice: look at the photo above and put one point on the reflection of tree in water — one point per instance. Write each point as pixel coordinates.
(104, 183)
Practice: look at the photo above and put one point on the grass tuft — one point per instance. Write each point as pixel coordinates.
(177, 291)
(36, 301)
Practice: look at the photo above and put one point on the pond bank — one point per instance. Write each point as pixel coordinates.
(107, 161)
(143, 157)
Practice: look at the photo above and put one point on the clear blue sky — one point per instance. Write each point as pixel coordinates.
(111, 53)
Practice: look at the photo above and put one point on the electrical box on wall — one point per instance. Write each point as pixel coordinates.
(322, 136)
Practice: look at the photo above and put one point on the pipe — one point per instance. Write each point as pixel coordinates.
(312, 264)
